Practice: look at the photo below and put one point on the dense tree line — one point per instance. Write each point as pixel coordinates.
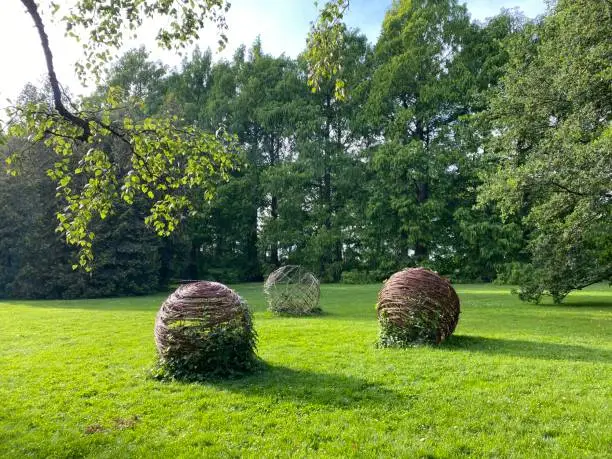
(479, 150)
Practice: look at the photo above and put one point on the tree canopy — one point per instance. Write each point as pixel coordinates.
(551, 152)
(480, 150)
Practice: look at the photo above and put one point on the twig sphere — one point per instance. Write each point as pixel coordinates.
(416, 306)
(292, 290)
(205, 329)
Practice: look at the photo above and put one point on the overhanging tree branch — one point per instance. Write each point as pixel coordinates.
(55, 87)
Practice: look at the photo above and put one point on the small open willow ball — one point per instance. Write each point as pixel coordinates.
(416, 306)
(205, 329)
(293, 291)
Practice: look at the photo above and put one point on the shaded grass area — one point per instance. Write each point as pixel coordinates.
(515, 380)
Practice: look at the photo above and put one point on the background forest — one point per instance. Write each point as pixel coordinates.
(480, 150)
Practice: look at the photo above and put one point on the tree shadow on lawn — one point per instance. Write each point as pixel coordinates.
(306, 387)
(582, 302)
(528, 349)
(124, 304)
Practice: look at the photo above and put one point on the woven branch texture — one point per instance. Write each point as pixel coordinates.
(416, 306)
(205, 328)
(292, 290)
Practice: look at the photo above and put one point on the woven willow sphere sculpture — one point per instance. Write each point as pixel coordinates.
(292, 290)
(416, 306)
(204, 329)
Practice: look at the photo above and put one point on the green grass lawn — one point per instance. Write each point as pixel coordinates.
(516, 380)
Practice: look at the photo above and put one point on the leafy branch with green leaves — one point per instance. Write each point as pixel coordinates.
(325, 47)
(167, 157)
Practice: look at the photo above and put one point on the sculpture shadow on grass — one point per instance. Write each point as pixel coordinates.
(283, 384)
(527, 349)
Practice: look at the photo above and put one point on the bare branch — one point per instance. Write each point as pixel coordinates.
(567, 190)
(55, 86)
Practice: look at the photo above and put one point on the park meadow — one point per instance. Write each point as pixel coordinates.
(515, 380)
(339, 228)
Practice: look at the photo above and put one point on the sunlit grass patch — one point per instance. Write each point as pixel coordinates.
(514, 380)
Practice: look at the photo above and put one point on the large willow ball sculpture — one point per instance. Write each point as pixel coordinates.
(416, 306)
(205, 329)
(292, 290)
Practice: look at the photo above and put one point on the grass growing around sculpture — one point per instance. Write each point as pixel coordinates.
(514, 380)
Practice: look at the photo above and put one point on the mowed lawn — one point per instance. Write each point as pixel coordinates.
(516, 380)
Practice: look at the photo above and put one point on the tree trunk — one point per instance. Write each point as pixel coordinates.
(274, 246)
(253, 268)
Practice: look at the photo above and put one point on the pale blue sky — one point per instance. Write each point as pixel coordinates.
(282, 25)
(285, 23)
